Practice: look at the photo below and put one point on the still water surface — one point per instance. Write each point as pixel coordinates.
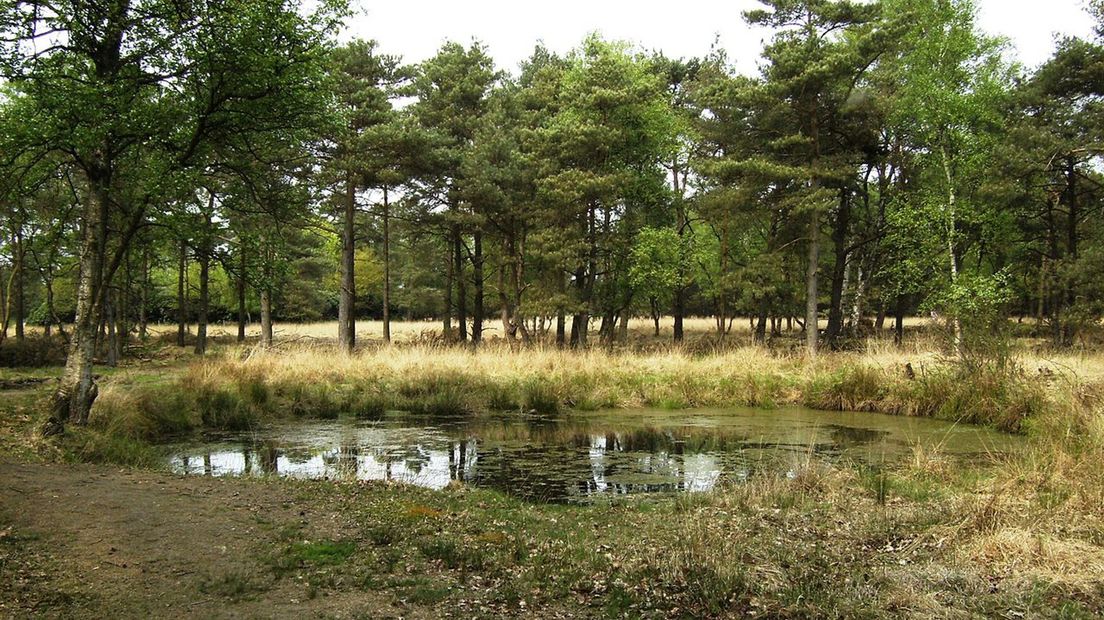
(581, 456)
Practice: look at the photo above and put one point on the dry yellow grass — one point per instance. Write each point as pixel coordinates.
(1035, 516)
(639, 327)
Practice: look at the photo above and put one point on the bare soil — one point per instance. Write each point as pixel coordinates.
(97, 541)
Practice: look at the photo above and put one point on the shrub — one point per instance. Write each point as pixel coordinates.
(32, 352)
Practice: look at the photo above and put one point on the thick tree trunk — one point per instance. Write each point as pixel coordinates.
(607, 328)
(72, 402)
(181, 296)
(346, 307)
(386, 268)
(579, 325)
(761, 322)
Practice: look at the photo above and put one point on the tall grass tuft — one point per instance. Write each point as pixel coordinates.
(237, 392)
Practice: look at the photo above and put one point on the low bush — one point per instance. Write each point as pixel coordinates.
(32, 352)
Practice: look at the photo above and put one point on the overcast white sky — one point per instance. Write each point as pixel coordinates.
(415, 29)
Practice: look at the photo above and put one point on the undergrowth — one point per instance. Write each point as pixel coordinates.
(238, 394)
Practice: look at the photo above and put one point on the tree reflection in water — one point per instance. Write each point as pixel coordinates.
(539, 459)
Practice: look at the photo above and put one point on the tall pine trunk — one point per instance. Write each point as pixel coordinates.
(450, 275)
(811, 285)
(181, 296)
(461, 289)
(679, 306)
(20, 299)
(477, 279)
(386, 268)
(346, 308)
(840, 228)
(204, 293)
(143, 299)
(266, 317)
(241, 292)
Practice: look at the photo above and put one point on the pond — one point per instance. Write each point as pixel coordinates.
(579, 457)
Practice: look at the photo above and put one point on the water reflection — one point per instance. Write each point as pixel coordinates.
(580, 457)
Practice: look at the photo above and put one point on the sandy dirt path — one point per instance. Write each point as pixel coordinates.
(96, 541)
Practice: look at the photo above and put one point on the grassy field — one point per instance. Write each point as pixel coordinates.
(1019, 536)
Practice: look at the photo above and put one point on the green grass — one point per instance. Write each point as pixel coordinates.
(312, 554)
(823, 542)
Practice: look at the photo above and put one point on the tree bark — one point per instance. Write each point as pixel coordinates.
(266, 317)
(859, 299)
(204, 292)
(143, 300)
(241, 291)
(1072, 237)
(811, 286)
(111, 338)
(956, 324)
(181, 296)
(386, 268)
(840, 228)
(581, 319)
(450, 275)
(679, 305)
(477, 278)
(72, 402)
(561, 329)
(346, 307)
(20, 299)
(461, 289)
(899, 321)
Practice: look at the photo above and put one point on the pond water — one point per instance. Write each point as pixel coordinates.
(581, 456)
